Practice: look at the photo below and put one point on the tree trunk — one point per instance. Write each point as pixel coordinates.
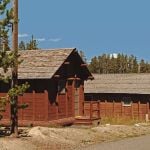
(14, 109)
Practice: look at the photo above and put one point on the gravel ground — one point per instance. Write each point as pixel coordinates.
(74, 137)
(138, 143)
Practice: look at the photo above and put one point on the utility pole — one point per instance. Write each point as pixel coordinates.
(14, 100)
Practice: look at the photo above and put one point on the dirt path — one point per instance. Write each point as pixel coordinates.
(138, 143)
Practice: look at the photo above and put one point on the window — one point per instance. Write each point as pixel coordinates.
(127, 101)
(61, 86)
(77, 84)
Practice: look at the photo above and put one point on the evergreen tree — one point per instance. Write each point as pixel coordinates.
(142, 66)
(22, 45)
(10, 60)
(105, 63)
(113, 65)
(100, 65)
(32, 45)
(135, 65)
(5, 58)
(93, 67)
(121, 64)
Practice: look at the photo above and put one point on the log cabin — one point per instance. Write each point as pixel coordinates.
(56, 94)
(119, 95)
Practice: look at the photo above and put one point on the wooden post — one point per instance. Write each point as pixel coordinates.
(73, 98)
(83, 108)
(113, 108)
(147, 119)
(57, 108)
(132, 115)
(46, 105)
(98, 108)
(122, 109)
(139, 109)
(66, 99)
(21, 99)
(147, 107)
(80, 100)
(105, 107)
(33, 105)
(91, 110)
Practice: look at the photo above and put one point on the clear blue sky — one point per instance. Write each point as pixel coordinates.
(94, 26)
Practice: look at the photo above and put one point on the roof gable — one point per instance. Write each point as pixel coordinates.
(42, 64)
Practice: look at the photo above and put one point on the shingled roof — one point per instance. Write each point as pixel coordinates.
(42, 64)
(119, 83)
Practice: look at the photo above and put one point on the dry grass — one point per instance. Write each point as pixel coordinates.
(119, 120)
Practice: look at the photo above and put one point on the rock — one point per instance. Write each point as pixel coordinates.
(107, 124)
(136, 125)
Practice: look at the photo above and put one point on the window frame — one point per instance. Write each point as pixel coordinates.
(127, 101)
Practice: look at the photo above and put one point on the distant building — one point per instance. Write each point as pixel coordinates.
(120, 95)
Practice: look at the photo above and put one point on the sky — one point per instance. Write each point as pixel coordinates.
(93, 26)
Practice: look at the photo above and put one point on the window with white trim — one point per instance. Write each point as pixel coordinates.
(127, 101)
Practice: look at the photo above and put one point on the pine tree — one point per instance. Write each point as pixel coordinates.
(135, 65)
(142, 66)
(122, 64)
(5, 58)
(22, 45)
(32, 45)
(9, 60)
(100, 64)
(113, 65)
(93, 67)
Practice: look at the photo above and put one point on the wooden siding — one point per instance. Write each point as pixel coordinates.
(140, 106)
(40, 109)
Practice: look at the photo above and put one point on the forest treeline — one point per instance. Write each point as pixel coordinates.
(121, 63)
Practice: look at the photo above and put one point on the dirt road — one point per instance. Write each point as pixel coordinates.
(138, 143)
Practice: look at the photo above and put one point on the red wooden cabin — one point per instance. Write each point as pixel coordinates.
(118, 95)
(56, 92)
